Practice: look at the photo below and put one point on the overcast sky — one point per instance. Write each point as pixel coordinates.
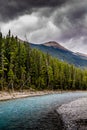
(64, 21)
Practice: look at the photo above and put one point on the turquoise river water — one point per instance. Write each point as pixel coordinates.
(34, 113)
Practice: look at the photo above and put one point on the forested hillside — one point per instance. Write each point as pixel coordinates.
(23, 68)
(62, 53)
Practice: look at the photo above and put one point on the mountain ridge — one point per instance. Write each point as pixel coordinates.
(82, 54)
(57, 50)
(62, 53)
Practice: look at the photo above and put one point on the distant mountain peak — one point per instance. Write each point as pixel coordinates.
(55, 45)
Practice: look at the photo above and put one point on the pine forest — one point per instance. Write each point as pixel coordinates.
(22, 67)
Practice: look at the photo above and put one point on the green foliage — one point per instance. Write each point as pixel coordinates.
(24, 68)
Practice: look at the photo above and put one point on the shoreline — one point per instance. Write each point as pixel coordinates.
(17, 95)
(5, 95)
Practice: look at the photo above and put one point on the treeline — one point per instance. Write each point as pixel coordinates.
(22, 67)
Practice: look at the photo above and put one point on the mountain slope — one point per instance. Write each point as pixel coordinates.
(58, 51)
(83, 56)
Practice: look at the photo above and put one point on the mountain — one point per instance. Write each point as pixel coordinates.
(84, 56)
(60, 52)
(55, 45)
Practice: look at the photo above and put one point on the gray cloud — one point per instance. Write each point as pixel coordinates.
(64, 21)
(71, 20)
(10, 9)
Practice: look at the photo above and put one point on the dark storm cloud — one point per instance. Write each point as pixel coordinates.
(10, 9)
(72, 13)
(77, 14)
(71, 20)
(45, 20)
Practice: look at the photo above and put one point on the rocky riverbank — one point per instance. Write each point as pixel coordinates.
(7, 95)
(74, 114)
(4, 95)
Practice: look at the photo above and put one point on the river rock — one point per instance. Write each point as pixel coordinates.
(74, 114)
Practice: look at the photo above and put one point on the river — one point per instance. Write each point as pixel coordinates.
(34, 113)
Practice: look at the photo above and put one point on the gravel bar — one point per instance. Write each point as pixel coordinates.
(74, 114)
